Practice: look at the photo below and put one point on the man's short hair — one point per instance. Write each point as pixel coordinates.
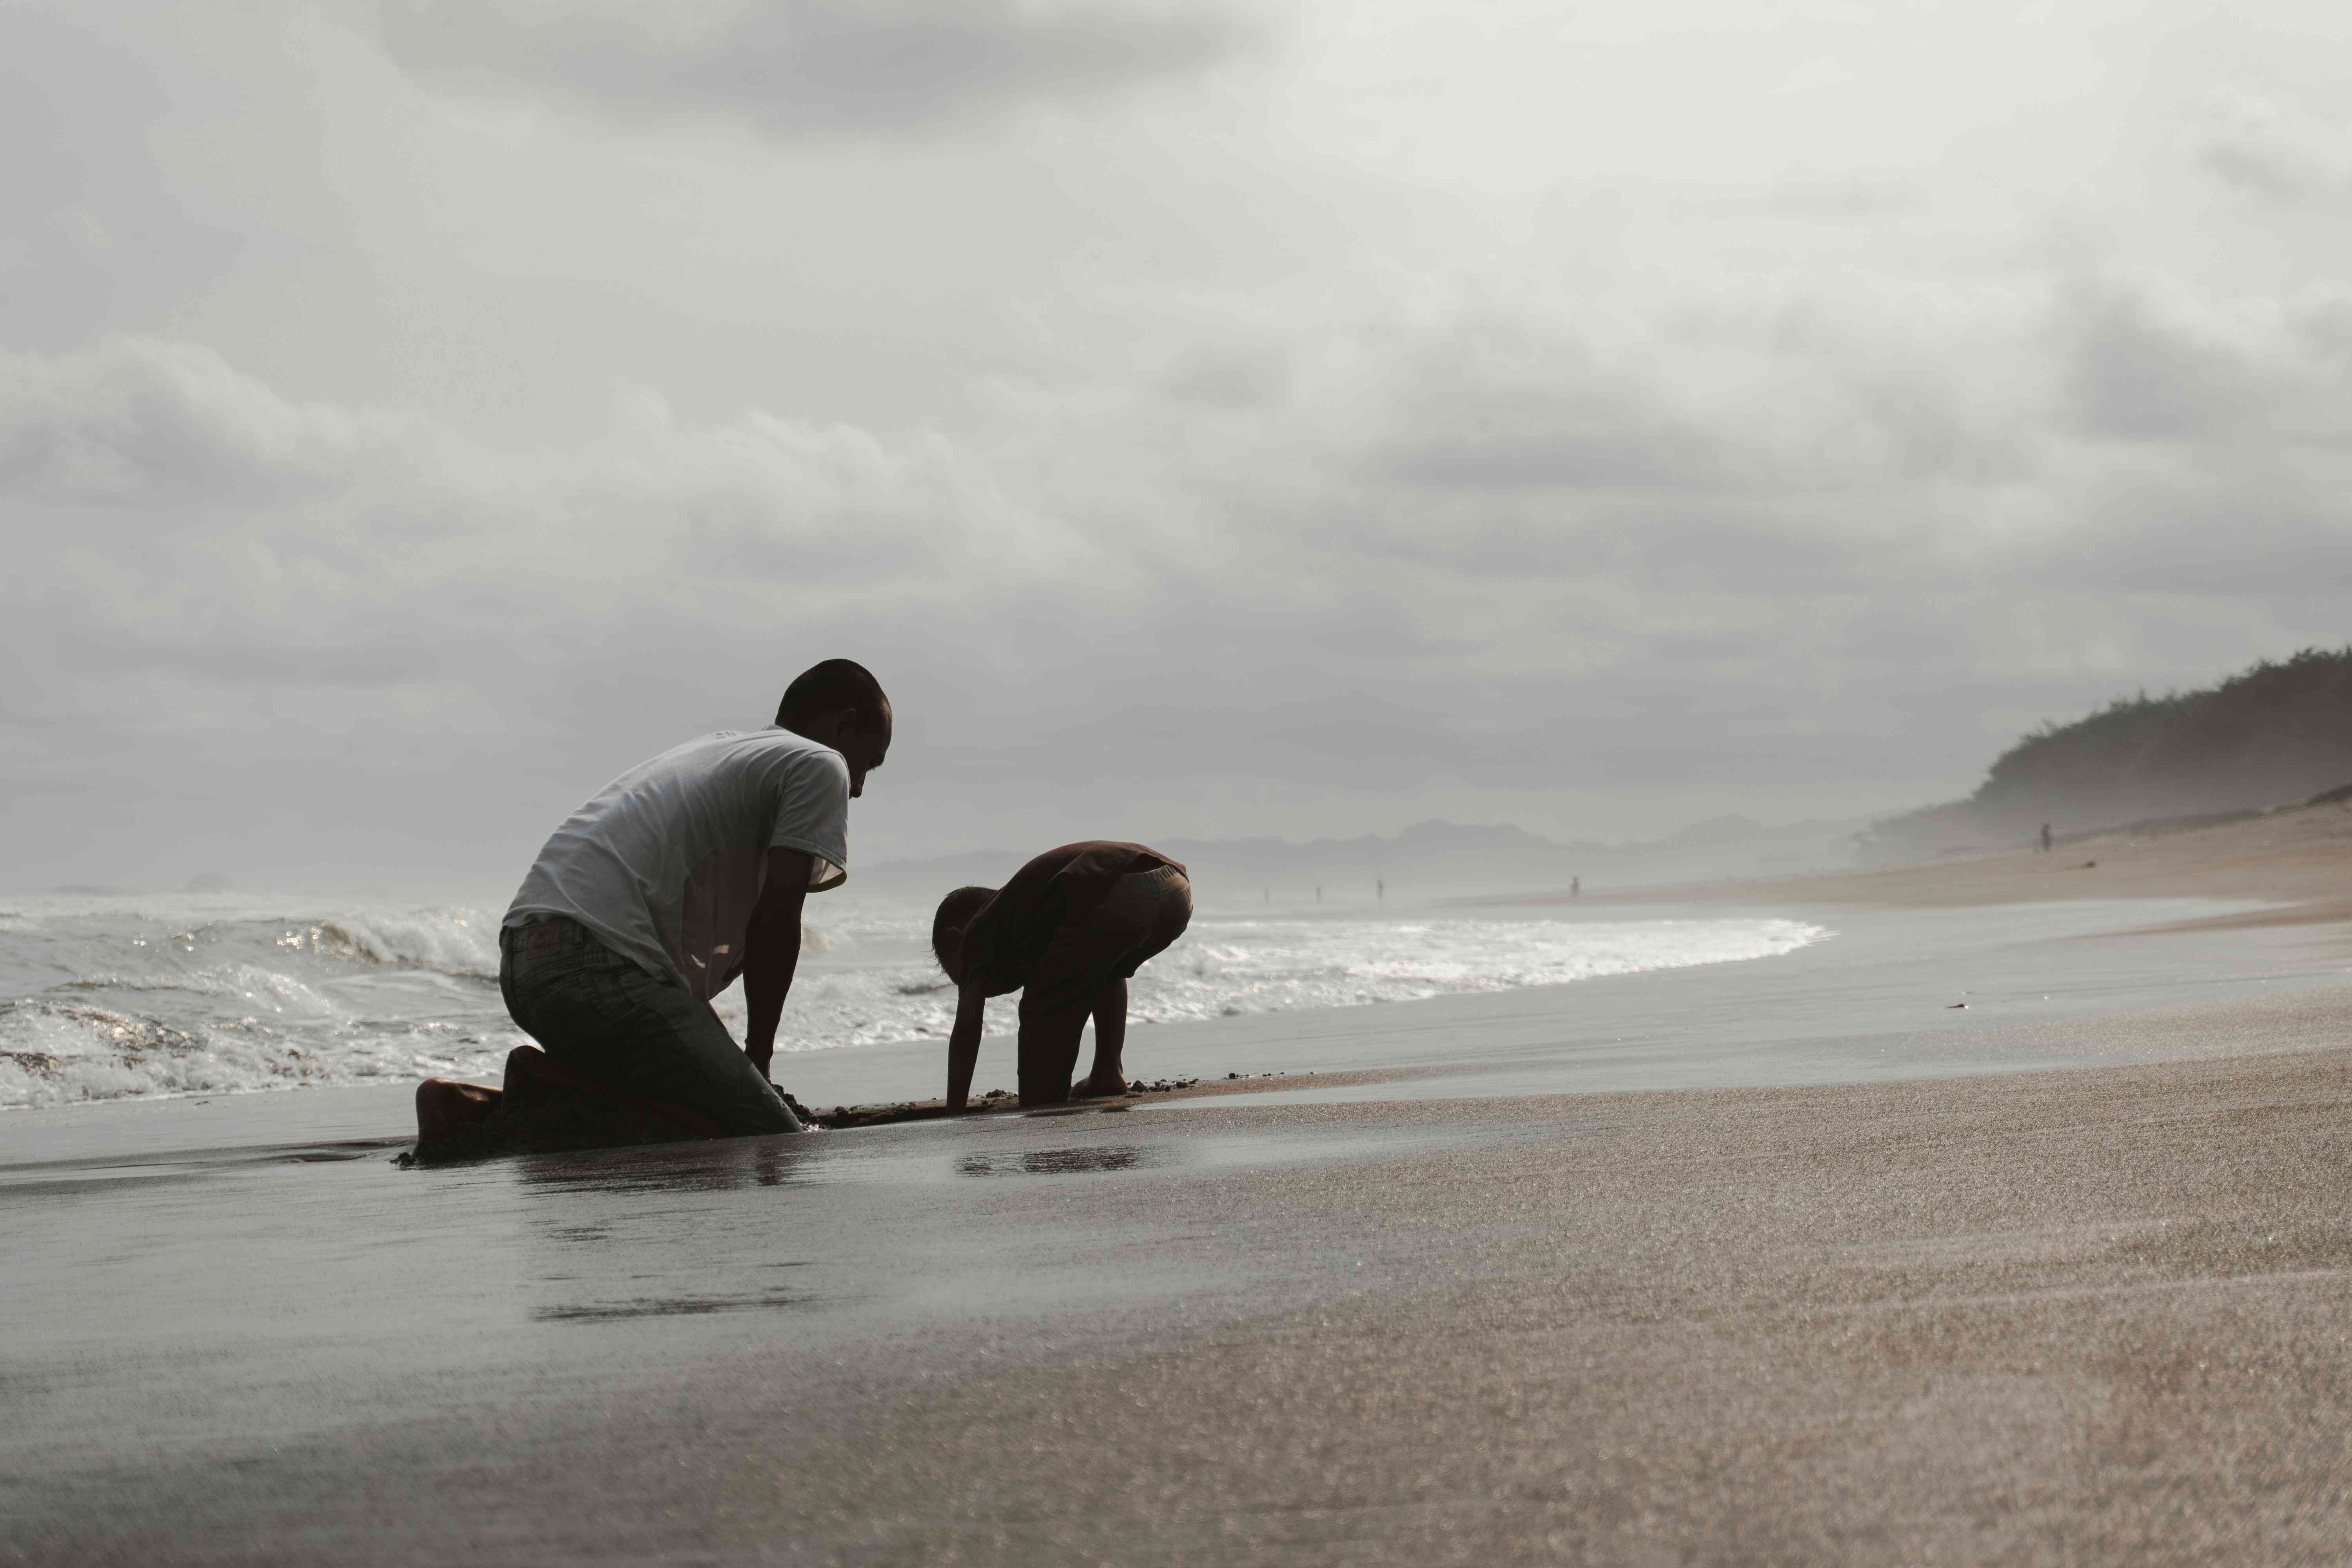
(829, 687)
(955, 914)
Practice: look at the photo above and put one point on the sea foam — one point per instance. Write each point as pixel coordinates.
(108, 998)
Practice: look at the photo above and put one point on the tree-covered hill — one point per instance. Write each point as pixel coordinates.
(2277, 732)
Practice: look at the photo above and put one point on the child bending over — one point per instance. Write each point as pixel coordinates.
(1066, 932)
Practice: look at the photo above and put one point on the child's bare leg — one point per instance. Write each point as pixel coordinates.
(1048, 1051)
(1109, 1009)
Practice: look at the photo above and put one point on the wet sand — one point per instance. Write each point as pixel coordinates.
(1963, 1312)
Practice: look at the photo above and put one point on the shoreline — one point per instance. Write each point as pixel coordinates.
(1791, 1017)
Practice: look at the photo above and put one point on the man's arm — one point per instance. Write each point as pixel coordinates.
(963, 1044)
(771, 951)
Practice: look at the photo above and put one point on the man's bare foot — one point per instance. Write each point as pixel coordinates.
(1088, 1088)
(443, 1107)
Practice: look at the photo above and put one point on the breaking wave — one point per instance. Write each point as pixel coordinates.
(104, 998)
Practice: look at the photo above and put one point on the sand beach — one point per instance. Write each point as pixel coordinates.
(1668, 682)
(2005, 1225)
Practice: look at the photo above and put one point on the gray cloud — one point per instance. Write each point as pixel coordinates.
(1840, 200)
(1229, 376)
(90, 222)
(2152, 363)
(247, 656)
(152, 425)
(2140, 377)
(2252, 528)
(804, 67)
(1289, 619)
(2273, 153)
(1512, 405)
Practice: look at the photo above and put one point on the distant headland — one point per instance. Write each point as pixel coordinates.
(2276, 734)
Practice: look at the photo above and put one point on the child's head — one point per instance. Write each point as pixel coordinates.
(947, 926)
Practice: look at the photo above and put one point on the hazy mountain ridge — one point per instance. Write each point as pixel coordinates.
(1437, 856)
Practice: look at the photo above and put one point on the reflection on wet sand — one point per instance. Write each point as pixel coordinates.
(666, 1307)
(605, 1238)
(716, 1166)
(685, 1231)
(1057, 1161)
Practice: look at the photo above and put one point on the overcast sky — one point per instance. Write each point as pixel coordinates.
(1294, 419)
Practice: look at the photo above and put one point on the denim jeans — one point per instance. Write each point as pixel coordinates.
(597, 1013)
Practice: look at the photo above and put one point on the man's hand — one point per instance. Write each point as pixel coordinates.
(771, 951)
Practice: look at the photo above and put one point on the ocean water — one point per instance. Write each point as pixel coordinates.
(108, 996)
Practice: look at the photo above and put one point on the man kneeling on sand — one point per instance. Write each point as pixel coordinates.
(1067, 932)
(681, 874)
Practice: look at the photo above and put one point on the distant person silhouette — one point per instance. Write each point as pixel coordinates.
(1067, 932)
(2045, 839)
(1576, 886)
(1380, 891)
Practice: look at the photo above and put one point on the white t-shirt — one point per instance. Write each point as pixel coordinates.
(666, 863)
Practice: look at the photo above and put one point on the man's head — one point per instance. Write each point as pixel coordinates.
(838, 703)
(947, 926)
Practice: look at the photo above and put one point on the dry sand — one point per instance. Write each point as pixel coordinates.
(2101, 1315)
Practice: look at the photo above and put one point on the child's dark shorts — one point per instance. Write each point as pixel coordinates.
(1136, 920)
